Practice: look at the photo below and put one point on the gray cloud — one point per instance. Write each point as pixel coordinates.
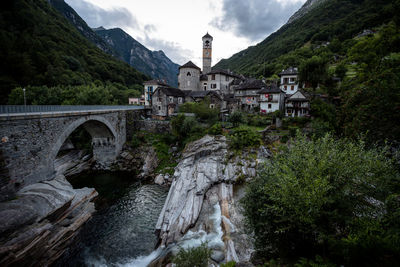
(173, 50)
(96, 16)
(254, 19)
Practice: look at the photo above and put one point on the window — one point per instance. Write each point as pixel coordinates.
(285, 88)
(211, 105)
(213, 85)
(171, 99)
(188, 83)
(188, 74)
(292, 87)
(205, 87)
(269, 106)
(179, 100)
(292, 80)
(150, 89)
(213, 77)
(159, 107)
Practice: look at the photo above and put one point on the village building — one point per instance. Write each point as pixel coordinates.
(220, 81)
(289, 80)
(247, 94)
(271, 99)
(166, 101)
(139, 101)
(213, 97)
(297, 105)
(149, 88)
(189, 77)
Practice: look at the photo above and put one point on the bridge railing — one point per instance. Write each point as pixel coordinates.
(12, 109)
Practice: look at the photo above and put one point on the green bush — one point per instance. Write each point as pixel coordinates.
(216, 129)
(228, 264)
(193, 257)
(293, 130)
(244, 137)
(236, 118)
(327, 197)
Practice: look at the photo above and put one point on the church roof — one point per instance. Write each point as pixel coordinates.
(189, 64)
(207, 36)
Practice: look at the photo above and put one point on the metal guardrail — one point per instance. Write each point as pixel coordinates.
(13, 109)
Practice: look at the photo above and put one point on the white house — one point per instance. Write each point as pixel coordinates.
(149, 88)
(220, 80)
(289, 80)
(271, 99)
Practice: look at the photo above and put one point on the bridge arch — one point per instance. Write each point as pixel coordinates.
(101, 130)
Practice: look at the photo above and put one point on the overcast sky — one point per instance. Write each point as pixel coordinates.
(176, 26)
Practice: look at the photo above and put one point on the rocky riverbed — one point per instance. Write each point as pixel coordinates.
(202, 205)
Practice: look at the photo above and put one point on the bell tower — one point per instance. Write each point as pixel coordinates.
(207, 49)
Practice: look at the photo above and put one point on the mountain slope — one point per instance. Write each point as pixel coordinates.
(153, 63)
(335, 18)
(39, 47)
(70, 14)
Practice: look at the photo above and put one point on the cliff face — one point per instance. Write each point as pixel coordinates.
(153, 63)
(309, 5)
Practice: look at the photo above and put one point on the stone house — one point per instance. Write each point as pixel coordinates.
(149, 88)
(189, 77)
(289, 80)
(297, 105)
(271, 99)
(214, 98)
(166, 101)
(136, 101)
(247, 94)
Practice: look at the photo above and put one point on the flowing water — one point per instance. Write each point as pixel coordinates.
(121, 233)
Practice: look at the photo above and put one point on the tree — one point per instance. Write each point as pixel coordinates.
(328, 197)
(313, 71)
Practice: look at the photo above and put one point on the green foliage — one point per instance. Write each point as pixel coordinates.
(293, 130)
(330, 197)
(313, 71)
(333, 20)
(216, 129)
(40, 47)
(244, 137)
(202, 110)
(236, 118)
(193, 257)
(228, 264)
(91, 94)
(186, 129)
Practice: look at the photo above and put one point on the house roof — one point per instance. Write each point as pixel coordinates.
(157, 82)
(251, 84)
(224, 72)
(298, 96)
(189, 64)
(170, 91)
(202, 94)
(207, 36)
(289, 71)
(270, 89)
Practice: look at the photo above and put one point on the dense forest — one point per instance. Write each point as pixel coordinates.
(40, 47)
(334, 19)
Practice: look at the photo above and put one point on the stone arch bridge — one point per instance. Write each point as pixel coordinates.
(32, 136)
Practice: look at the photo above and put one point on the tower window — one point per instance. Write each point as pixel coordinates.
(188, 74)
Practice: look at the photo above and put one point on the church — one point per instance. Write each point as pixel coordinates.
(192, 78)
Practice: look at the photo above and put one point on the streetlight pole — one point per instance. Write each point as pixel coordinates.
(24, 97)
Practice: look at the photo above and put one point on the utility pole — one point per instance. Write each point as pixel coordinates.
(24, 98)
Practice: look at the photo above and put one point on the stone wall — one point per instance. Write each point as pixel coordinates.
(29, 144)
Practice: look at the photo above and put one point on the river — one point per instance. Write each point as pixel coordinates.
(121, 232)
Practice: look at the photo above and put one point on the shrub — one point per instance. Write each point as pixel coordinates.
(244, 137)
(293, 130)
(236, 118)
(216, 129)
(328, 197)
(193, 257)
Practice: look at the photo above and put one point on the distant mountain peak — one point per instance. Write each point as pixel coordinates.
(101, 28)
